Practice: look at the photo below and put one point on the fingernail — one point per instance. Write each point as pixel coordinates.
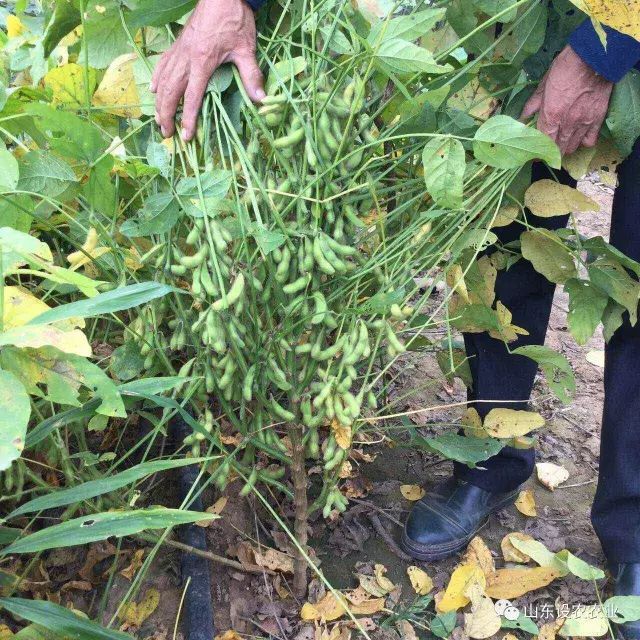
(260, 94)
(184, 134)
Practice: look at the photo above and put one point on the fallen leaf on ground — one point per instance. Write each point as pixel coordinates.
(509, 552)
(478, 553)
(274, 560)
(549, 630)
(483, 621)
(379, 570)
(551, 475)
(513, 583)
(134, 565)
(463, 578)
(412, 492)
(526, 503)
(133, 614)
(406, 631)
(330, 608)
(371, 585)
(229, 635)
(218, 506)
(596, 358)
(420, 580)
(585, 621)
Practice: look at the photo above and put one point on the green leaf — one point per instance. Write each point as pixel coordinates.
(127, 297)
(43, 173)
(612, 319)
(15, 211)
(548, 255)
(460, 448)
(158, 215)
(530, 31)
(283, 71)
(65, 18)
(522, 622)
(609, 276)
(9, 171)
(60, 620)
(158, 157)
(555, 366)
(156, 13)
(444, 166)
(505, 143)
(15, 410)
(100, 526)
(623, 118)
(126, 361)
(17, 247)
(105, 38)
(214, 184)
(267, 239)
(409, 27)
(621, 609)
(99, 487)
(443, 624)
(586, 306)
(402, 57)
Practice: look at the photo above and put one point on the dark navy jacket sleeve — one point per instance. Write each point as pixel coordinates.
(256, 4)
(622, 52)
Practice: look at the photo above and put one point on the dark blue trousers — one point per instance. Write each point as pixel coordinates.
(499, 376)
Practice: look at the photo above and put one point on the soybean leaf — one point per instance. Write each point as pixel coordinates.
(104, 36)
(99, 487)
(126, 361)
(402, 57)
(409, 27)
(17, 247)
(100, 526)
(283, 71)
(609, 276)
(469, 451)
(9, 171)
(132, 295)
(60, 620)
(444, 166)
(548, 255)
(443, 624)
(505, 143)
(15, 409)
(159, 214)
(555, 366)
(623, 117)
(43, 173)
(621, 609)
(156, 13)
(522, 622)
(586, 306)
(214, 184)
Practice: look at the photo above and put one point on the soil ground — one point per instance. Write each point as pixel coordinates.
(366, 533)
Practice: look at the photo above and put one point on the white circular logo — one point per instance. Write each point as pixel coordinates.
(501, 606)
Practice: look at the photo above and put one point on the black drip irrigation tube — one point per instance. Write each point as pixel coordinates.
(197, 609)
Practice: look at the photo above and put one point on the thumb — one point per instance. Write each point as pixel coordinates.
(532, 105)
(250, 75)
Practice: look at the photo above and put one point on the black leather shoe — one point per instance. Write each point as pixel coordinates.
(447, 518)
(626, 582)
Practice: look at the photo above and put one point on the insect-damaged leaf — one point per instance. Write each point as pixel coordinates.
(444, 165)
(547, 198)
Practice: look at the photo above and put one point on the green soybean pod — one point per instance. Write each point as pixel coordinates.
(290, 140)
(247, 385)
(281, 412)
(234, 293)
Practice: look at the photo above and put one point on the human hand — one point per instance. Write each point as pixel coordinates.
(572, 102)
(218, 31)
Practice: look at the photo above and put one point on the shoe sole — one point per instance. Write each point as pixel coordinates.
(430, 553)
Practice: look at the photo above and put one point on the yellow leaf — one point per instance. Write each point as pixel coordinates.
(549, 630)
(621, 15)
(19, 307)
(218, 506)
(526, 503)
(134, 614)
(36, 336)
(472, 424)
(5, 632)
(506, 215)
(342, 434)
(15, 27)
(478, 553)
(509, 552)
(70, 84)
(483, 621)
(379, 570)
(551, 475)
(585, 621)
(326, 609)
(368, 607)
(274, 560)
(412, 492)
(463, 578)
(117, 91)
(230, 634)
(420, 580)
(512, 583)
(596, 358)
(510, 423)
(455, 280)
(547, 198)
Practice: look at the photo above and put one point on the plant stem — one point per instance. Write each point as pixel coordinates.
(299, 478)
